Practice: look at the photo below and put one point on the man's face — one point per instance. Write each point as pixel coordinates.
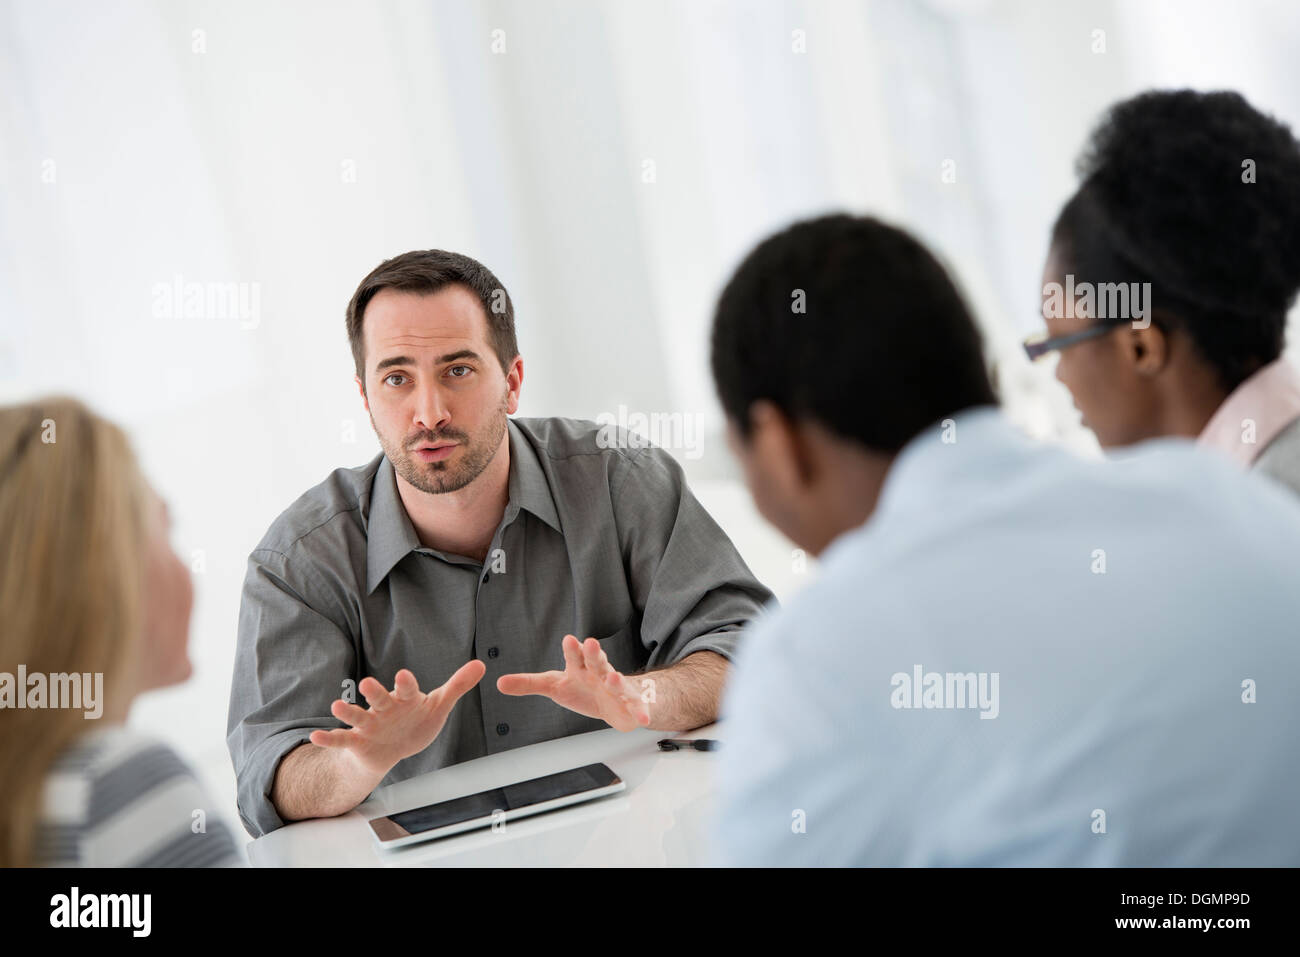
(1114, 401)
(435, 391)
(765, 460)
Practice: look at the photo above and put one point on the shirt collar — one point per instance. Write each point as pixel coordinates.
(529, 488)
(1270, 398)
(389, 532)
(390, 536)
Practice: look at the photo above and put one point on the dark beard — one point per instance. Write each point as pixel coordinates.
(438, 478)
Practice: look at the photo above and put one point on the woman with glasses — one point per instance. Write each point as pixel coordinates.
(1190, 204)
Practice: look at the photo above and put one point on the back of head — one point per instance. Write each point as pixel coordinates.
(849, 322)
(1198, 194)
(72, 546)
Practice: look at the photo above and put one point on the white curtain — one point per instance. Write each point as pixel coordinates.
(610, 161)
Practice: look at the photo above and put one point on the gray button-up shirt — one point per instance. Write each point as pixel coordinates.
(595, 541)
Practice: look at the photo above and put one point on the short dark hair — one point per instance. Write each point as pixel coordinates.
(427, 271)
(1163, 199)
(885, 348)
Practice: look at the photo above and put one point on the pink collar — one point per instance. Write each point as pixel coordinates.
(1255, 412)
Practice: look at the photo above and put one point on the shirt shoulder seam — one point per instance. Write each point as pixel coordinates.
(319, 525)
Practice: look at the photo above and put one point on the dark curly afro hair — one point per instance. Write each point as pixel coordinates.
(1164, 199)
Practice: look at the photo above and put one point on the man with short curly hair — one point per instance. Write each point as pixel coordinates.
(1010, 656)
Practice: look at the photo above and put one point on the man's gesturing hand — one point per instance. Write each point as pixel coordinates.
(397, 724)
(588, 685)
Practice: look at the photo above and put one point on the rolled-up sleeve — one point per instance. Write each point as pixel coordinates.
(694, 590)
(291, 662)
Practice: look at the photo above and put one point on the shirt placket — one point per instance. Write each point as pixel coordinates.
(489, 599)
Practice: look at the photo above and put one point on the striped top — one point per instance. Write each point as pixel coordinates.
(117, 798)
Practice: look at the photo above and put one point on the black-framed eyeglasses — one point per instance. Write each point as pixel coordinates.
(1039, 345)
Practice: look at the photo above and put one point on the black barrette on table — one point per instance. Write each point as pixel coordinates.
(699, 744)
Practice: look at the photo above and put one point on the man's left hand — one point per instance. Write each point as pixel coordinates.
(588, 685)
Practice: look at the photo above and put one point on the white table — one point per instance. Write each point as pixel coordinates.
(659, 819)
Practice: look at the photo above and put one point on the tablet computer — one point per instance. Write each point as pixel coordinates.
(498, 804)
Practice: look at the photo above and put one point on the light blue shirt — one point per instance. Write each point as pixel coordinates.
(1123, 640)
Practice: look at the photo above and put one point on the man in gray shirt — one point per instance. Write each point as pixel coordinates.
(475, 545)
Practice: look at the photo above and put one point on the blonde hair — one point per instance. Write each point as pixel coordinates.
(74, 527)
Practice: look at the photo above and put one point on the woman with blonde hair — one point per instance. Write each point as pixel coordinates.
(94, 610)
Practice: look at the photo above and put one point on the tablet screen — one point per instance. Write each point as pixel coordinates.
(482, 805)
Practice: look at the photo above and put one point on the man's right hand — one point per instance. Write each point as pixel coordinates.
(397, 724)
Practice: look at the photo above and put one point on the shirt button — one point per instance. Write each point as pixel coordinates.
(492, 652)
(503, 728)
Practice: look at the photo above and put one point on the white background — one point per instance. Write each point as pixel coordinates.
(134, 150)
